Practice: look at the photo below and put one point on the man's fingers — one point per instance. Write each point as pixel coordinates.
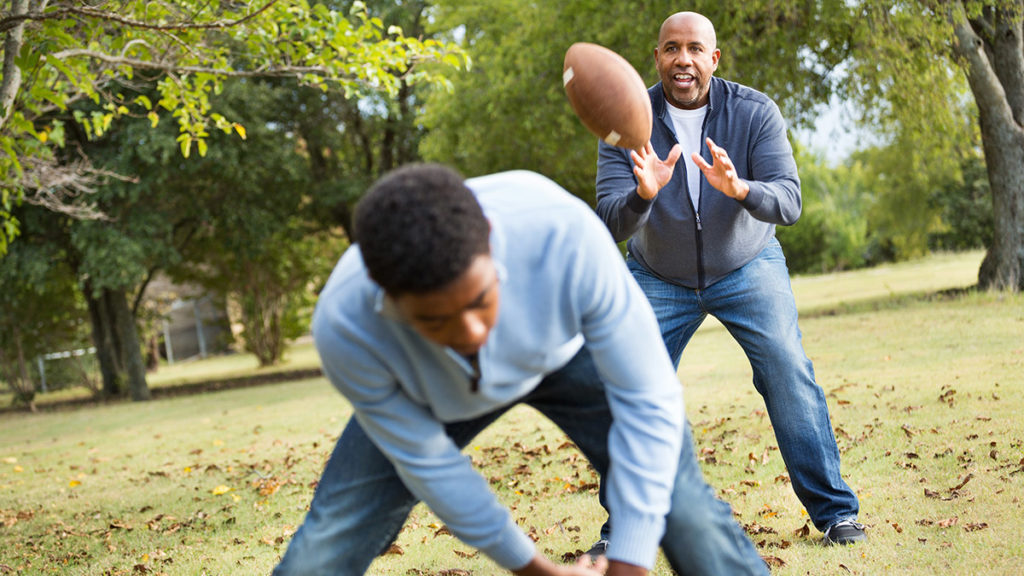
(673, 155)
(700, 162)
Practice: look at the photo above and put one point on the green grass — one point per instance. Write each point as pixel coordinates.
(925, 393)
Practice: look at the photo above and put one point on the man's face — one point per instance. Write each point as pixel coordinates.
(686, 58)
(459, 315)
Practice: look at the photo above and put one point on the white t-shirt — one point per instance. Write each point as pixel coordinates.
(688, 125)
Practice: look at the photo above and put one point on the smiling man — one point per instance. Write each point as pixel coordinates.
(701, 241)
(460, 300)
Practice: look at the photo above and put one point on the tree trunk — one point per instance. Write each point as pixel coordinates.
(17, 375)
(117, 344)
(106, 355)
(10, 79)
(991, 46)
(128, 340)
(261, 315)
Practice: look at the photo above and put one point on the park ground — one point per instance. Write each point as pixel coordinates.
(924, 379)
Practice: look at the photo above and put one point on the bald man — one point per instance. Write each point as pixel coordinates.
(701, 240)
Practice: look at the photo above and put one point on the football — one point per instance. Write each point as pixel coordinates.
(608, 95)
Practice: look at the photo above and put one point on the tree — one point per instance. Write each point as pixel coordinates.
(258, 242)
(58, 53)
(989, 44)
(41, 310)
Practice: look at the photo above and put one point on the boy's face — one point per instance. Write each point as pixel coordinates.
(461, 314)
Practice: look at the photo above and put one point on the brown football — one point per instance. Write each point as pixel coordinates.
(608, 95)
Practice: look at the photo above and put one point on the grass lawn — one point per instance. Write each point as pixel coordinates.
(926, 394)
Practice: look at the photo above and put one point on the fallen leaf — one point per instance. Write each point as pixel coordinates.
(962, 483)
(949, 522)
(222, 489)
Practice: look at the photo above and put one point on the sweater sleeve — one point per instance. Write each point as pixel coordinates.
(774, 195)
(644, 394)
(619, 206)
(425, 457)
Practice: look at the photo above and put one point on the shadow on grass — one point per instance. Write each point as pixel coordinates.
(890, 302)
(173, 391)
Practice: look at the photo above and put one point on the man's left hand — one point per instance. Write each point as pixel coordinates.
(721, 173)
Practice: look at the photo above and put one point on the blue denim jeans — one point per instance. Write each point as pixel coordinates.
(360, 503)
(755, 304)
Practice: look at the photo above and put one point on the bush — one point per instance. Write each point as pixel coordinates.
(831, 234)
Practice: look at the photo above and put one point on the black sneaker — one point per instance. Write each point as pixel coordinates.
(597, 550)
(845, 532)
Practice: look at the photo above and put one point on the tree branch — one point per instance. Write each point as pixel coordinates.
(11, 82)
(985, 85)
(56, 186)
(169, 67)
(17, 19)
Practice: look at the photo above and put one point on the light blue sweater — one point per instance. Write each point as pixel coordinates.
(564, 285)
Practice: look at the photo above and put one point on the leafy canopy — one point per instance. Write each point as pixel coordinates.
(60, 53)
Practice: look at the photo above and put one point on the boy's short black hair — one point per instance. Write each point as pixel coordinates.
(419, 228)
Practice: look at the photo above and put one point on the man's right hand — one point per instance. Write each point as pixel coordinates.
(651, 172)
(541, 566)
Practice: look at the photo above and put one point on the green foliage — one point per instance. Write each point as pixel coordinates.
(72, 53)
(832, 233)
(40, 311)
(904, 175)
(239, 222)
(966, 206)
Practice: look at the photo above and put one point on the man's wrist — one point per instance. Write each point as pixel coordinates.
(742, 189)
(645, 195)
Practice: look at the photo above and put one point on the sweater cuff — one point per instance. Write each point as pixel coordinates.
(638, 204)
(635, 540)
(513, 550)
(754, 197)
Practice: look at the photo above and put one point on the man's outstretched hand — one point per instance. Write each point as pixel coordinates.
(652, 173)
(541, 566)
(721, 173)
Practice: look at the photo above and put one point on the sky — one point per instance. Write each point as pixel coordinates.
(835, 135)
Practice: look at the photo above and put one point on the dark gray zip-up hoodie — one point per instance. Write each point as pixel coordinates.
(698, 249)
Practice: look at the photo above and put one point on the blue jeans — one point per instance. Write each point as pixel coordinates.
(360, 503)
(755, 304)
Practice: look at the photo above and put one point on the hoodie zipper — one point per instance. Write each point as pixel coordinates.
(696, 209)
